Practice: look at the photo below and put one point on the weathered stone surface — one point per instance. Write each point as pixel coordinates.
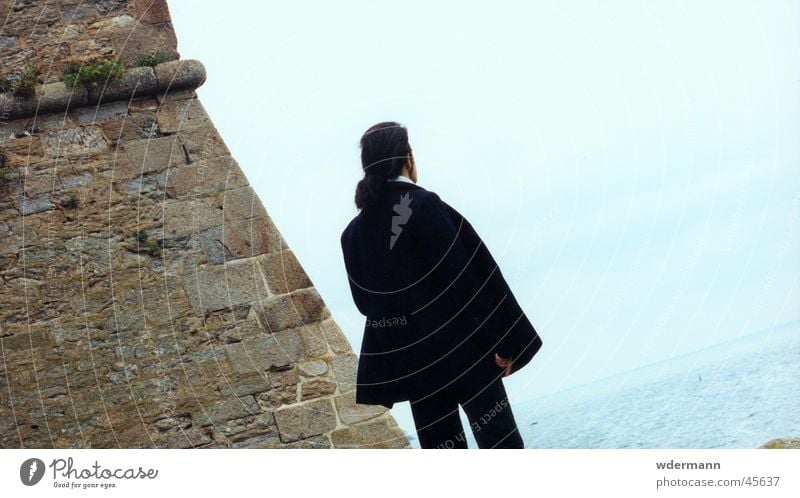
(133, 42)
(788, 443)
(304, 420)
(265, 352)
(152, 11)
(56, 96)
(148, 156)
(79, 180)
(313, 443)
(180, 74)
(315, 388)
(314, 341)
(215, 287)
(181, 115)
(247, 384)
(241, 239)
(313, 368)
(376, 433)
(351, 412)
(148, 300)
(222, 411)
(136, 81)
(204, 177)
(75, 141)
(202, 143)
(292, 310)
(240, 429)
(241, 204)
(183, 218)
(344, 369)
(27, 205)
(283, 272)
(275, 398)
(335, 337)
(283, 376)
(95, 114)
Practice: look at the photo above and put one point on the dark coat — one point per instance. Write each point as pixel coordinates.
(437, 306)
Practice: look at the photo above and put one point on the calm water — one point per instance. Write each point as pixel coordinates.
(736, 395)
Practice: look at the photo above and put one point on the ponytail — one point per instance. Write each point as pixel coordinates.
(369, 190)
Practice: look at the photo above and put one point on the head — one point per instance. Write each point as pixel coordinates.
(385, 153)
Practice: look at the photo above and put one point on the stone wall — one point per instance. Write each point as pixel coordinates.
(148, 300)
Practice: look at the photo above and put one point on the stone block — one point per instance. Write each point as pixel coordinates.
(283, 272)
(275, 398)
(225, 410)
(313, 443)
(375, 433)
(148, 156)
(283, 376)
(56, 96)
(138, 125)
(95, 114)
(301, 421)
(216, 287)
(313, 368)
(292, 310)
(180, 115)
(315, 388)
(242, 203)
(131, 43)
(78, 141)
(31, 205)
(152, 11)
(24, 150)
(202, 143)
(314, 341)
(270, 440)
(266, 352)
(187, 217)
(335, 337)
(244, 428)
(351, 412)
(344, 369)
(136, 81)
(241, 239)
(186, 73)
(76, 180)
(204, 177)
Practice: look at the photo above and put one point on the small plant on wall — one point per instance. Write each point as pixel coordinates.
(150, 247)
(22, 85)
(153, 58)
(93, 74)
(5, 170)
(69, 202)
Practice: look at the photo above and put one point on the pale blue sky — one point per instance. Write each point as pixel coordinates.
(633, 166)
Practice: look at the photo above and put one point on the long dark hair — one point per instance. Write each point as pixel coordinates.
(384, 151)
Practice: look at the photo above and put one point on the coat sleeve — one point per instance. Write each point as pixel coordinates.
(346, 254)
(516, 336)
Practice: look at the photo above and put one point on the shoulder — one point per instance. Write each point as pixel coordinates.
(426, 198)
(348, 230)
(429, 200)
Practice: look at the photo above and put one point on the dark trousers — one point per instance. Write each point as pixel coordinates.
(488, 411)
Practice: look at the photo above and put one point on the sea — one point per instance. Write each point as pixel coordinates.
(738, 394)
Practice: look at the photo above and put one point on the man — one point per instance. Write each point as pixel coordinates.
(442, 327)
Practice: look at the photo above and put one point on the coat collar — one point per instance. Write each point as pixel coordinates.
(404, 185)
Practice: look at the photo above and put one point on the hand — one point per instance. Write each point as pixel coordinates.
(504, 362)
